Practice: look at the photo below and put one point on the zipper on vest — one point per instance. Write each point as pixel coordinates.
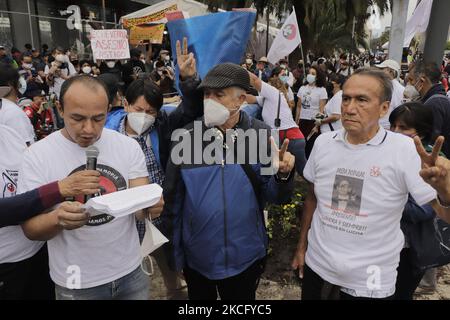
(224, 214)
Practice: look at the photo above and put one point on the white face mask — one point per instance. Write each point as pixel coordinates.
(110, 64)
(167, 58)
(311, 78)
(87, 70)
(27, 66)
(143, 61)
(60, 58)
(411, 93)
(140, 122)
(22, 85)
(216, 114)
(248, 61)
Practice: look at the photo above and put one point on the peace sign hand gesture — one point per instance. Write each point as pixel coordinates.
(186, 61)
(435, 169)
(282, 159)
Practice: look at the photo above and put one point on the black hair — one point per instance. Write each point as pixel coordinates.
(86, 61)
(338, 78)
(381, 77)
(45, 46)
(9, 76)
(415, 115)
(320, 77)
(135, 53)
(28, 46)
(276, 72)
(147, 88)
(159, 64)
(428, 69)
(87, 80)
(15, 50)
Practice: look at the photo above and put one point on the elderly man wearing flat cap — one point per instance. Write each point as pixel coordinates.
(214, 211)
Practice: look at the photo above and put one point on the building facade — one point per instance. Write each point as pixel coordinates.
(65, 23)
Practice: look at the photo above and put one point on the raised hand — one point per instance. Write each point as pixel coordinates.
(281, 158)
(186, 61)
(435, 169)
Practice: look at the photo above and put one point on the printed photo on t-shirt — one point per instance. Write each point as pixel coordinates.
(346, 195)
(306, 100)
(10, 183)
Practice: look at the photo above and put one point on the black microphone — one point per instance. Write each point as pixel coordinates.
(92, 153)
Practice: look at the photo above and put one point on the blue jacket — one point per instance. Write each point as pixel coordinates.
(214, 218)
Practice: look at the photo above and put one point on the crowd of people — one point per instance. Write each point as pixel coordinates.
(370, 140)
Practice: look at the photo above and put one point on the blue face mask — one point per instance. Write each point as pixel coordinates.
(285, 79)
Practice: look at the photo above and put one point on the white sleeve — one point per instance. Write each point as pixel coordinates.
(300, 92)
(270, 94)
(334, 105)
(46, 70)
(260, 100)
(18, 120)
(31, 173)
(290, 94)
(323, 95)
(309, 172)
(138, 167)
(72, 70)
(411, 165)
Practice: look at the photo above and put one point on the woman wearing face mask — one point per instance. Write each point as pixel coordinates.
(86, 67)
(412, 119)
(312, 99)
(279, 79)
(270, 95)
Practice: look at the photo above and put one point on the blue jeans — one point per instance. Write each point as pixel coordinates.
(297, 148)
(133, 286)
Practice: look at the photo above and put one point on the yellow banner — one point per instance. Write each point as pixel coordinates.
(154, 34)
(154, 17)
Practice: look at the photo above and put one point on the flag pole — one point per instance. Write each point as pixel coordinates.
(301, 51)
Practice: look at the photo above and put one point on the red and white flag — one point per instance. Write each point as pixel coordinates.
(287, 39)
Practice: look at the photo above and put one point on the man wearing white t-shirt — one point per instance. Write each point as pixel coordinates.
(392, 69)
(98, 257)
(360, 178)
(60, 70)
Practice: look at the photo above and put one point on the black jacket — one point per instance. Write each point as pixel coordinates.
(436, 99)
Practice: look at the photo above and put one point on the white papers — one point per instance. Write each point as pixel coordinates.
(125, 202)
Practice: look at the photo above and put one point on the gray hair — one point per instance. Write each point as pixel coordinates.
(381, 77)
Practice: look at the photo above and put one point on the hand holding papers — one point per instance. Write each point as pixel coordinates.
(125, 202)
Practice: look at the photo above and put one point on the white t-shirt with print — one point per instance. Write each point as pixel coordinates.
(268, 99)
(333, 107)
(104, 250)
(14, 246)
(397, 98)
(355, 237)
(12, 115)
(310, 97)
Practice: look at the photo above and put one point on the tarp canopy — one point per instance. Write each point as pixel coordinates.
(156, 13)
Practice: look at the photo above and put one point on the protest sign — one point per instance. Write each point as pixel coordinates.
(110, 44)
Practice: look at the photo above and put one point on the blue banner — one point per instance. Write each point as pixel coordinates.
(214, 38)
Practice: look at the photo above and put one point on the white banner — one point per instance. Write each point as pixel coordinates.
(110, 44)
(419, 21)
(287, 39)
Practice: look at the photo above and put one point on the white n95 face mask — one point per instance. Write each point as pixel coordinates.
(140, 122)
(22, 85)
(86, 70)
(311, 78)
(111, 64)
(216, 114)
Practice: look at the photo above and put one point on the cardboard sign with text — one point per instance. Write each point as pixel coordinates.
(110, 44)
(153, 34)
